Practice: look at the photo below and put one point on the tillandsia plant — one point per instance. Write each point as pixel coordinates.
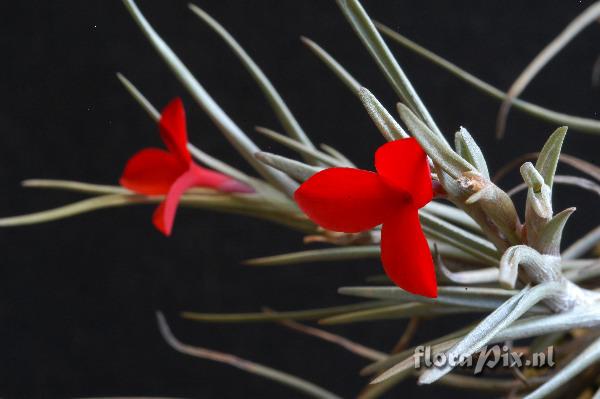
(449, 238)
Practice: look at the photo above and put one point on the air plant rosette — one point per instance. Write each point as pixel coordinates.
(449, 239)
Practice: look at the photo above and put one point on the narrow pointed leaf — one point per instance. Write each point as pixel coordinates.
(79, 187)
(298, 147)
(583, 244)
(587, 17)
(76, 208)
(319, 255)
(585, 125)
(589, 356)
(454, 232)
(139, 97)
(368, 34)
(392, 312)
(433, 234)
(580, 317)
(387, 125)
(452, 214)
(466, 297)
(550, 154)
(296, 170)
(332, 64)
(283, 113)
(306, 314)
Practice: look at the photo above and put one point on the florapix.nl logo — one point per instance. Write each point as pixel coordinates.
(488, 357)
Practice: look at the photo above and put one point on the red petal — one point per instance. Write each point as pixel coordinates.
(402, 165)
(173, 130)
(218, 181)
(345, 199)
(164, 215)
(151, 171)
(195, 176)
(405, 253)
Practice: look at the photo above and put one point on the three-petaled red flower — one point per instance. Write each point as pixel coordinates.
(153, 171)
(352, 200)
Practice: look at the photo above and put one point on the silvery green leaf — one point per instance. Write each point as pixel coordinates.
(466, 297)
(76, 208)
(368, 34)
(448, 230)
(469, 150)
(438, 149)
(451, 252)
(305, 314)
(80, 187)
(497, 321)
(295, 169)
(452, 214)
(332, 64)
(283, 113)
(298, 146)
(399, 311)
(433, 234)
(580, 317)
(319, 255)
(387, 125)
(586, 125)
(587, 17)
(447, 291)
(589, 356)
(230, 130)
(139, 97)
(583, 273)
(548, 241)
(548, 158)
(583, 244)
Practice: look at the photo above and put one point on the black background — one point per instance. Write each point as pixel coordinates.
(77, 296)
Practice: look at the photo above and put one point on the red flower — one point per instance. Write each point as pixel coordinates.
(153, 171)
(353, 200)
